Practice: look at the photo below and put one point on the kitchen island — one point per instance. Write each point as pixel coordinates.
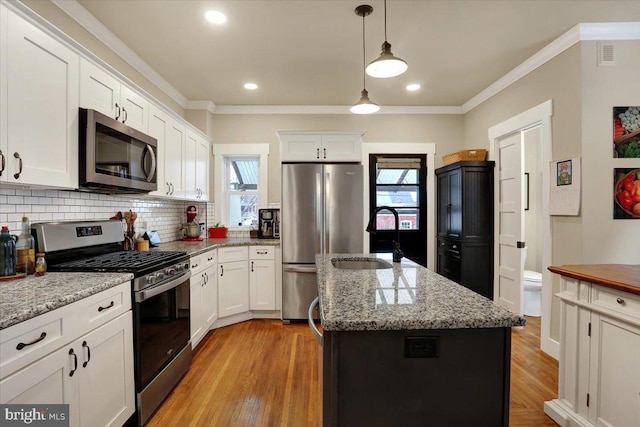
(406, 346)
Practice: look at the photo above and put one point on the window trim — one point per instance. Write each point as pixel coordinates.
(223, 151)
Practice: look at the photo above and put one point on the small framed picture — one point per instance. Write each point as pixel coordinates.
(564, 173)
(626, 132)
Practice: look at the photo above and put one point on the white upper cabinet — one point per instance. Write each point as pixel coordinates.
(171, 152)
(298, 146)
(38, 106)
(101, 91)
(197, 167)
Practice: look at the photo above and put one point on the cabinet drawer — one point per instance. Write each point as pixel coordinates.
(28, 341)
(196, 263)
(235, 253)
(451, 246)
(261, 252)
(100, 308)
(209, 258)
(618, 301)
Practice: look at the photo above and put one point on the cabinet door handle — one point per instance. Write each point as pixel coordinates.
(252, 266)
(104, 308)
(620, 300)
(85, 345)
(2, 167)
(17, 156)
(22, 345)
(172, 188)
(221, 270)
(126, 115)
(117, 111)
(317, 153)
(75, 362)
(324, 150)
(261, 253)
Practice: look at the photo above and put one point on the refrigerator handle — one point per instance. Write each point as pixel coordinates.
(319, 214)
(327, 212)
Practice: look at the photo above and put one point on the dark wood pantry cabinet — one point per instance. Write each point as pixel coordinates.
(465, 224)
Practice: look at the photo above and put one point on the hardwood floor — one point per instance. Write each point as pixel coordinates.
(261, 373)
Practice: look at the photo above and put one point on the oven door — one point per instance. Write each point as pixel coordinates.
(161, 329)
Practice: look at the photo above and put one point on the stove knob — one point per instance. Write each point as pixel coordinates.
(151, 279)
(170, 271)
(180, 267)
(159, 276)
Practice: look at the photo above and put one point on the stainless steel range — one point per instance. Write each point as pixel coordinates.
(160, 299)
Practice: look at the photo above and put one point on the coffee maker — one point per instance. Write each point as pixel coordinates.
(268, 223)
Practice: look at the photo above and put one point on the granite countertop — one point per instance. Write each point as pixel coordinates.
(407, 296)
(195, 248)
(23, 299)
(623, 277)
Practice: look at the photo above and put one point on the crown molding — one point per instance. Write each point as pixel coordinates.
(330, 109)
(201, 105)
(579, 32)
(610, 31)
(102, 33)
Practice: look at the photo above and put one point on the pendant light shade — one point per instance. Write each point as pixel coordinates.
(364, 106)
(386, 65)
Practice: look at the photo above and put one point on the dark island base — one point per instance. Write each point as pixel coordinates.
(461, 380)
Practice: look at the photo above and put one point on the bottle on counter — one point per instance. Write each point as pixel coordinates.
(41, 264)
(25, 249)
(7, 253)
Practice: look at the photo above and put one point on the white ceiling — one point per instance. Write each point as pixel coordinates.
(309, 52)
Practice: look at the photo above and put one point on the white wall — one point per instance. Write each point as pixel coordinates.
(606, 240)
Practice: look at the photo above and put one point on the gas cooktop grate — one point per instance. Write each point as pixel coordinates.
(120, 261)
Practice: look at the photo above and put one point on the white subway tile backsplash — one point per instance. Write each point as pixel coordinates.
(15, 200)
(163, 215)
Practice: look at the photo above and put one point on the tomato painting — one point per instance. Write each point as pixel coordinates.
(627, 193)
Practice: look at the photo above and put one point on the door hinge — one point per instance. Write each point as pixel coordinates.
(520, 244)
(588, 400)
(589, 331)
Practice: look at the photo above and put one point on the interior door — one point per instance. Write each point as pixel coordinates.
(510, 223)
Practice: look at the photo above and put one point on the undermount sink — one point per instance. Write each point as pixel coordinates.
(360, 263)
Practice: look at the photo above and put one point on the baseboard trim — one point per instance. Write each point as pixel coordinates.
(243, 317)
(563, 416)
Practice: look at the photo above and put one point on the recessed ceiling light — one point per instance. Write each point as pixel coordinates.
(215, 17)
(250, 86)
(413, 87)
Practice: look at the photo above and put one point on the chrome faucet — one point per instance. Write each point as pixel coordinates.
(371, 228)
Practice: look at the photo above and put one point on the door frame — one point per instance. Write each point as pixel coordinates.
(405, 148)
(538, 115)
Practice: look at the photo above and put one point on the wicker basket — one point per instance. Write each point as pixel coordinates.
(476, 154)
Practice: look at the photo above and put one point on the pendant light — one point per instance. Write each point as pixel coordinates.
(386, 65)
(364, 106)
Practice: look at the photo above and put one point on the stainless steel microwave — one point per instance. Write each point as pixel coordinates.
(115, 158)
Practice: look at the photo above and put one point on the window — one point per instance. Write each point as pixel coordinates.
(240, 183)
(242, 190)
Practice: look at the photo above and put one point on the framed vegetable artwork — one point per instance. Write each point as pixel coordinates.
(626, 132)
(626, 190)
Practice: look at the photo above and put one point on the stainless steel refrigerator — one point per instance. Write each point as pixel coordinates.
(321, 212)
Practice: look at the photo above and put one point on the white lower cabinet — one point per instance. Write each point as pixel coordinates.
(233, 287)
(614, 372)
(94, 375)
(204, 295)
(599, 375)
(262, 278)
